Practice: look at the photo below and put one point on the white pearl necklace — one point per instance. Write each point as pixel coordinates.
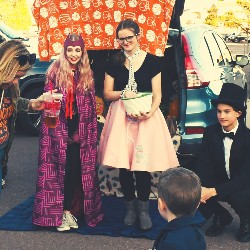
(132, 85)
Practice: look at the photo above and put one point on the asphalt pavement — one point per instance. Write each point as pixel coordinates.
(21, 185)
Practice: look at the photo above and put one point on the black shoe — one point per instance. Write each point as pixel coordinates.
(219, 224)
(243, 234)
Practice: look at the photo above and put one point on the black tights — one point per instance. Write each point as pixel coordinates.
(142, 184)
(72, 174)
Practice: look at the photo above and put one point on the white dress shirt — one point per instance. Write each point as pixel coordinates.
(227, 147)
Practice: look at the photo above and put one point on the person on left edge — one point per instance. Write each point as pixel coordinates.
(67, 183)
(15, 61)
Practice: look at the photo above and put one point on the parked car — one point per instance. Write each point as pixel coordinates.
(225, 36)
(237, 37)
(10, 33)
(196, 64)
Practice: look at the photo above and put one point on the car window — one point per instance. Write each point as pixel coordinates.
(204, 59)
(224, 50)
(215, 52)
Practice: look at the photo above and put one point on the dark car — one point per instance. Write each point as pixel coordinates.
(7, 33)
(196, 64)
(236, 38)
(11, 33)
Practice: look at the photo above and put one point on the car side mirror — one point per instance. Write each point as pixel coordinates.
(241, 60)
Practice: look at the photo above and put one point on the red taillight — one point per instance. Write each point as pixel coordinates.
(188, 62)
(194, 80)
(194, 130)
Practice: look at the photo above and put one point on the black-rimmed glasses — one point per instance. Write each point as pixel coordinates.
(128, 39)
(23, 59)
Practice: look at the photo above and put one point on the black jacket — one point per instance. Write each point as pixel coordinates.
(211, 161)
(180, 234)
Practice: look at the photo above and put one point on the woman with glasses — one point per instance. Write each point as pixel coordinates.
(15, 61)
(136, 144)
(67, 184)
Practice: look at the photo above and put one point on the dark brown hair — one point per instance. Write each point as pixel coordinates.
(125, 24)
(180, 188)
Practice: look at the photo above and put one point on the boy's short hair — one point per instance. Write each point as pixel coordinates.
(180, 189)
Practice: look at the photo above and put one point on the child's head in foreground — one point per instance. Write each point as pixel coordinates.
(179, 193)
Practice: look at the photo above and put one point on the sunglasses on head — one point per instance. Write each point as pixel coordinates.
(23, 59)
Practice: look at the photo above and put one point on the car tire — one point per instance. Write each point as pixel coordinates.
(236, 40)
(30, 122)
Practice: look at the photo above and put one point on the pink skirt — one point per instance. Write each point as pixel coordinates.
(138, 146)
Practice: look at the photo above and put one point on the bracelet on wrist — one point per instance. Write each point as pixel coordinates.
(122, 95)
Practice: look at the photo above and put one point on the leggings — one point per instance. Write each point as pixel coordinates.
(72, 174)
(142, 184)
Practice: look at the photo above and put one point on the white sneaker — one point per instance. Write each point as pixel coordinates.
(3, 183)
(68, 221)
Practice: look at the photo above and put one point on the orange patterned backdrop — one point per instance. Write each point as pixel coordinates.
(96, 20)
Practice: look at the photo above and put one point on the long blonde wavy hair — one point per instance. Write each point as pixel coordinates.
(9, 64)
(60, 72)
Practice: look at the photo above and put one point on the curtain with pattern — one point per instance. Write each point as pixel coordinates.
(97, 20)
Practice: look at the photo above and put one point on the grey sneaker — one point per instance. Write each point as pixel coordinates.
(69, 221)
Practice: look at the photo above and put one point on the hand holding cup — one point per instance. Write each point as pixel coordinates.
(52, 108)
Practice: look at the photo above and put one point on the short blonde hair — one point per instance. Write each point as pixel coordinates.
(9, 64)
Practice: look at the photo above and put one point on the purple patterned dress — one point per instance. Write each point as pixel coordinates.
(49, 197)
